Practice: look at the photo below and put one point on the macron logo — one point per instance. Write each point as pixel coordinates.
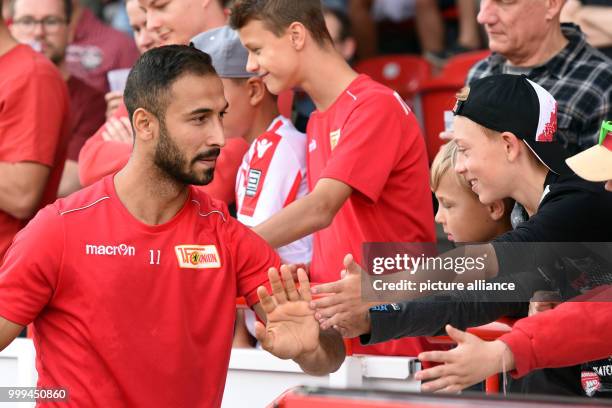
(110, 250)
(262, 147)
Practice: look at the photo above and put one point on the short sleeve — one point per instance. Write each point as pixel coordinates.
(374, 138)
(30, 270)
(252, 257)
(32, 116)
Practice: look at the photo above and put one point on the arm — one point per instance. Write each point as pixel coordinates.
(469, 363)
(8, 332)
(21, 188)
(30, 145)
(291, 330)
(556, 338)
(364, 28)
(70, 179)
(99, 157)
(532, 339)
(309, 214)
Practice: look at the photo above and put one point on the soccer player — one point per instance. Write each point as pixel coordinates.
(131, 282)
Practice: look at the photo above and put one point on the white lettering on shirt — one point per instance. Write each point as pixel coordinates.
(110, 250)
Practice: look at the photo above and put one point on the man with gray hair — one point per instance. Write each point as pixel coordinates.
(527, 37)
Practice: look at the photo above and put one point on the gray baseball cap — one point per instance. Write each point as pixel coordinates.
(229, 57)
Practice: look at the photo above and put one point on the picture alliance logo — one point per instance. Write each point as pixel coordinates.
(110, 250)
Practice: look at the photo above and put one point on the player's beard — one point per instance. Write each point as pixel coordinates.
(169, 159)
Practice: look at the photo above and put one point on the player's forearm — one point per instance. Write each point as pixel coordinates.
(8, 332)
(299, 219)
(21, 188)
(327, 358)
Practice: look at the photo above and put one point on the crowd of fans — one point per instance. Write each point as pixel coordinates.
(348, 167)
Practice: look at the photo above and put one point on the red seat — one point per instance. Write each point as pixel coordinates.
(458, 66)
(438, 95)
(435, 97)
(403, 73)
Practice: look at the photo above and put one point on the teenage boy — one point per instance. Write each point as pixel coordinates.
(367, 165)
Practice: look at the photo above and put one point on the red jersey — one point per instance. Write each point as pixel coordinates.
(370, 140)
(128, 314)
(97, 49)
(87, 111)
(34, 122)
(99, 158)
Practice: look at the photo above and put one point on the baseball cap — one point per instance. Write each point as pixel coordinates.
(595, 163)
(513, 103)
(229, 57)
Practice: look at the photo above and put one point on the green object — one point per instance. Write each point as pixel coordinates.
(606, 127)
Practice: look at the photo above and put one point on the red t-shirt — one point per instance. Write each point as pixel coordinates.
(34, 122)
(127, 314)
(370, 140)
(87, 112)
(99, 158)
(96, 49)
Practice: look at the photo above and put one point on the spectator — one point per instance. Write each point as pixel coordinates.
(593, 17)
(430, 28)
(339, 27)
(181, 20)
(354, 192)
(526, 37)
(34, 125)
(96, 48)
(44, 25)
(341, 32)
(118, 292)
(462, 216)
(365, 14)
(273, 171)
(110, 148)
(557, 338)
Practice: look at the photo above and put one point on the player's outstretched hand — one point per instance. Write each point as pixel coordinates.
(342, 307)
(472, 361)
(291, 330)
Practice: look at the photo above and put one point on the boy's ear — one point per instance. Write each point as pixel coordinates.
(297, 34)
(496, 210)
(511, 145)
(257, 90)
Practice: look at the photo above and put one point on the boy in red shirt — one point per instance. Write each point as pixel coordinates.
(367, 165)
